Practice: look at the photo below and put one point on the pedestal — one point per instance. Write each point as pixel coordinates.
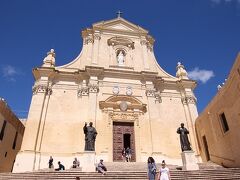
(88, 161)
(189, 160)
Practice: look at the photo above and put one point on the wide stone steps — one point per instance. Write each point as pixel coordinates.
(213, 174)
(131, 166)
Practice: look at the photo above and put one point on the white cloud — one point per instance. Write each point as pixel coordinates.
(200, 74)
(9, 72)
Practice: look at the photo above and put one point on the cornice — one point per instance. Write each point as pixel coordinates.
(109, 72)
(186, 83)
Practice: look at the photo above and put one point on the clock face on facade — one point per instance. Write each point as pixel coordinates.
(129, 91)
(115, 90)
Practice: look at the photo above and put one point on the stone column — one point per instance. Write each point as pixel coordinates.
(97, 38)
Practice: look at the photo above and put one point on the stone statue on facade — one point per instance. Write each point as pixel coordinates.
(90, 137)
(49, 60)
(181, 71)
(120, 58)
(185, 144)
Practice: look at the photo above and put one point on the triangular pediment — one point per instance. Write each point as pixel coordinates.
(119, 24)
(121, 27)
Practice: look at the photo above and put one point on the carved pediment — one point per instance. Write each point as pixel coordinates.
(114, 103)
(119, 24)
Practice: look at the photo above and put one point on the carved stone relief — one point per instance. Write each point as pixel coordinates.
(42, 89)
(84, 91)
(189, 100)
(154, 93)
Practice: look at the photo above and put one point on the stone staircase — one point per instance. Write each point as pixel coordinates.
(131, 171)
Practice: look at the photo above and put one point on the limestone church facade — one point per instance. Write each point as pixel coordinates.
(117, 84)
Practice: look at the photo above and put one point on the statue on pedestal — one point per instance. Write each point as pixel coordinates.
(185, 144)
(90, 137)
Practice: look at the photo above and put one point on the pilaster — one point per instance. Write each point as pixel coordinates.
(145, 54)
(97, 38)
(190, 109)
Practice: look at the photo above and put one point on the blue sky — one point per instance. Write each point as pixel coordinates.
(203, 34)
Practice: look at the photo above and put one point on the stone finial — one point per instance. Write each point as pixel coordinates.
(49, 60)
(219, 87)
(181, 72)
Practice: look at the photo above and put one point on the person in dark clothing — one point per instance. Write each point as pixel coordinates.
(128, 154)
(50, 162)
(61, 167)
(183, 132)
(151, 168)
(123, 155)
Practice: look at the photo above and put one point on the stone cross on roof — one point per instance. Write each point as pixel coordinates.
(119, 14)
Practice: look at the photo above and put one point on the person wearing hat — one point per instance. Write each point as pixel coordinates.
(101, 167)
(164, 172)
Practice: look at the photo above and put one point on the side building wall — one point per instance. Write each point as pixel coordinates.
(11, 134)
(218, 125)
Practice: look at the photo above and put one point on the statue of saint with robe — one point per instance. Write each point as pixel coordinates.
(120, 58)
(90, 137)
(185, 144)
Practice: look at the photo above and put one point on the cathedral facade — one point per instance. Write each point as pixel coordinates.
(117, 84)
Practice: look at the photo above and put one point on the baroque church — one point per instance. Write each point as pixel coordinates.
(117, 84)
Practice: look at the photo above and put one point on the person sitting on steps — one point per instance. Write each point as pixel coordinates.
(76, 163)
(61, 167)
(101, 168)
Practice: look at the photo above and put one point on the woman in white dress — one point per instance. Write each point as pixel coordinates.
(164, 173)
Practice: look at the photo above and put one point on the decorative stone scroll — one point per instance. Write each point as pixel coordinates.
(113, 103)
(150, 93)
(153, 93)
(84, 91)
(93, 88)
(88, 39)
(189, 100)
(97, 36)
(147, 43)
(42, 89)
(114, 41)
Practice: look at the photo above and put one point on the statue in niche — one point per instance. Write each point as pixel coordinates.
(120, 58)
